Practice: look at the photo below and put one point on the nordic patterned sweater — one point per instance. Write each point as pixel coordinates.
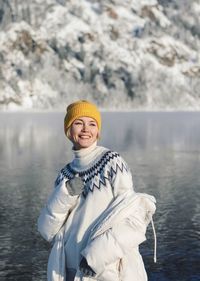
(105, 176)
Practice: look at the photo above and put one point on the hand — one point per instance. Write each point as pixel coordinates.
(74, 186)
(86, 269)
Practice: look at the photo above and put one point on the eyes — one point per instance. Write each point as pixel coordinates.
(81, 123)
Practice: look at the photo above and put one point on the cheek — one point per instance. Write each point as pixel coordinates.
(96, 133)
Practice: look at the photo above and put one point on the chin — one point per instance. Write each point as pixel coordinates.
(85, 145)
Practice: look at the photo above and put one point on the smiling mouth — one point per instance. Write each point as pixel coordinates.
(84, 137)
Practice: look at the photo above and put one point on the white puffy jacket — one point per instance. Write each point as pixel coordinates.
(119, 230)
(106, 223)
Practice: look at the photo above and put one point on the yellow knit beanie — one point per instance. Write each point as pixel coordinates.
(79, 109)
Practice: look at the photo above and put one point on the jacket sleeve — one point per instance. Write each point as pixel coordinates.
(54, 214)
(119, 239)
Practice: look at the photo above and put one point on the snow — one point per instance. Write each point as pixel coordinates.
(163, 21)
(196, 8)
(138, 5)
(119, 54)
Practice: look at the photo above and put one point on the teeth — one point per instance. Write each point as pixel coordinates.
(84, 137)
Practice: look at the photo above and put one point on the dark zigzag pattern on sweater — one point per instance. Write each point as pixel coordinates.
(96, 170)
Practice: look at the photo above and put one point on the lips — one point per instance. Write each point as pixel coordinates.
(84, 136)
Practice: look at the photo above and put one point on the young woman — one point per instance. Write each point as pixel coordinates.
(93, 217)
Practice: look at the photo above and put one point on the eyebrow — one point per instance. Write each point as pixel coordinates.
(90, 121)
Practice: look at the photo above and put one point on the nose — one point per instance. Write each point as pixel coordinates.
(85, 127)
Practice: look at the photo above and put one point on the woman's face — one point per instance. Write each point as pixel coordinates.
(83, 132)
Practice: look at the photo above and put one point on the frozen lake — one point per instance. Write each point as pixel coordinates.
(163, 152)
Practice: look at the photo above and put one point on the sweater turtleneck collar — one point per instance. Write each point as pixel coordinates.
(85, 156)
(83, 152)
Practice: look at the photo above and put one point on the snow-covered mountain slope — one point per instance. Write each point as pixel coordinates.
(120, 54)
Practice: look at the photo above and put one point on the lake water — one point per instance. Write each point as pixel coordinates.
(163, 152)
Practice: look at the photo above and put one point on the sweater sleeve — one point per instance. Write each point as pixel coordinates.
(55, 212)
(120, 176)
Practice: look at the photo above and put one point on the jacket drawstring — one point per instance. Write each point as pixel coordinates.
(155, 241)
